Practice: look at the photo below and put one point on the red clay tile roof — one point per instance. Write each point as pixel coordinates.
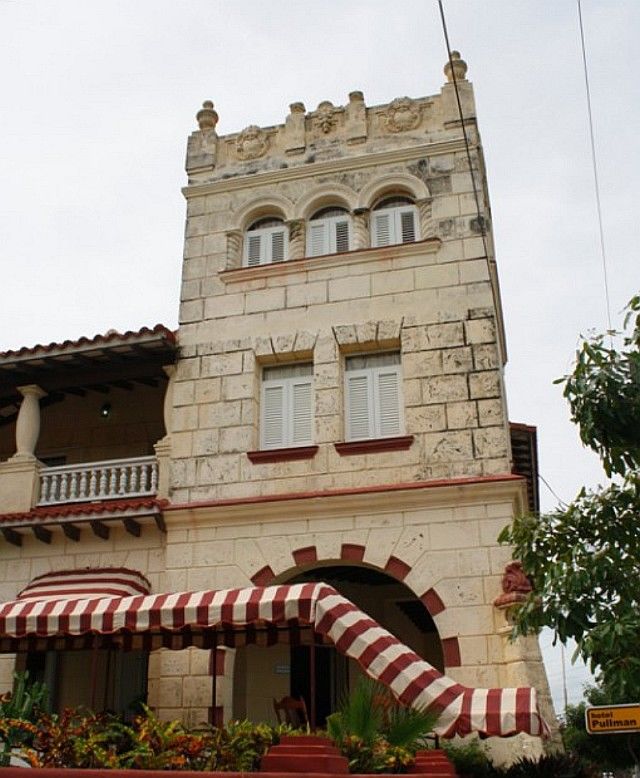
(110, 338)
(52, 512)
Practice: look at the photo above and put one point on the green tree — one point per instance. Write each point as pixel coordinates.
(583, 559)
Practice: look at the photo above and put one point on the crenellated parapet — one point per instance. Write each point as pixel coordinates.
(330, 132)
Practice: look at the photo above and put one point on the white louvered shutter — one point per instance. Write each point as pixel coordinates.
(359, 407)
(382, 228)
(301, 413)
(254, 250)
(341, 236)
(277, 246)
(388, 402)
(273, 416)
(317, 239)
(407, 225)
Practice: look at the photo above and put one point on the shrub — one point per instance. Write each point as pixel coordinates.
(19, 710)
(470, 758)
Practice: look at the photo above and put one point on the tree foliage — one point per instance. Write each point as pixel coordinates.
(584, 559)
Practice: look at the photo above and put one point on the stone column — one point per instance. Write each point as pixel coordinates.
(297, 236)
(234, 249)
(163, 446)
(28, 422)
(427, 229)
(361, 234)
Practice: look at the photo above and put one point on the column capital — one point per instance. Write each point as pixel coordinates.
(31, 390)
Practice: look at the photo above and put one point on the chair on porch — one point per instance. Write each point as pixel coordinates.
(291, 711)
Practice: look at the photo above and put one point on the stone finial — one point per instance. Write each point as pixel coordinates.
(459, 69)
(297, 108)
(356, 96)
(206, 117)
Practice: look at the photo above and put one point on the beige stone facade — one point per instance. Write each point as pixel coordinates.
(420, 508)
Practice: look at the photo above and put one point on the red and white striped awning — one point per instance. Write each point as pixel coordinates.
(221, 617)
(86, 583)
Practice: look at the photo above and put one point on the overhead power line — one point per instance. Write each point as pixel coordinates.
(594, 163)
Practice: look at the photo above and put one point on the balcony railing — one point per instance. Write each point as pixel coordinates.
(116, 478)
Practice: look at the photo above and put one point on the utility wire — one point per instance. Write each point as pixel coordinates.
(561, 502)
(476, 196)
(595, 168)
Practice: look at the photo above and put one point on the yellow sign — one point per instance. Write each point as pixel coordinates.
(612, 719)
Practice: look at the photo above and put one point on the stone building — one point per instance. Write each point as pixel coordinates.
(332, 408)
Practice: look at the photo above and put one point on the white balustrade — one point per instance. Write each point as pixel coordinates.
(116, 478)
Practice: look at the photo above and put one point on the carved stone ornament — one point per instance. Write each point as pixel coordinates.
(402, 114)
(252, 143)
(207, 117)
(325, 118)
(515, 586)
(515, 580)
(456, 68)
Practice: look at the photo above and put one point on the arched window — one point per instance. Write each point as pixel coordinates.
(265, 242)
(395, 220)
(329, 232)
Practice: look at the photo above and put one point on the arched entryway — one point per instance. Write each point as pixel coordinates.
(320, 674)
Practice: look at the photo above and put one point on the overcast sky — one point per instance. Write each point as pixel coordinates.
(98, 98)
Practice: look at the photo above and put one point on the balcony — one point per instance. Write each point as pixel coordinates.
(107, 480)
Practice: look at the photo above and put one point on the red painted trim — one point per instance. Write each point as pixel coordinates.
(263, 577)
(111, 338)
(378, 445)
(432, 602)
(451, 652)
(85, 508)
(304, 556)
(282, 454)
(220, 656)
(397, 568)
(352, 551)
(312, 495)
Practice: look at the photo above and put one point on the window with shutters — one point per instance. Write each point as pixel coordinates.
(265, 242)
(329, 232)
(373, 396)
(287, 406)
(394, 220)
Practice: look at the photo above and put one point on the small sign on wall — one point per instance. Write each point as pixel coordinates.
(612, 719)
(282, 669)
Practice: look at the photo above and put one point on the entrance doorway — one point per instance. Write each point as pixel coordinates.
(323, 676)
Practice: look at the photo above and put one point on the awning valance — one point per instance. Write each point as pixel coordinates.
(221, 617)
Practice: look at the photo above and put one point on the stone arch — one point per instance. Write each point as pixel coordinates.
(267, 205)
(279, 564)
(392, 183)
(307, 556)
(323, 196)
